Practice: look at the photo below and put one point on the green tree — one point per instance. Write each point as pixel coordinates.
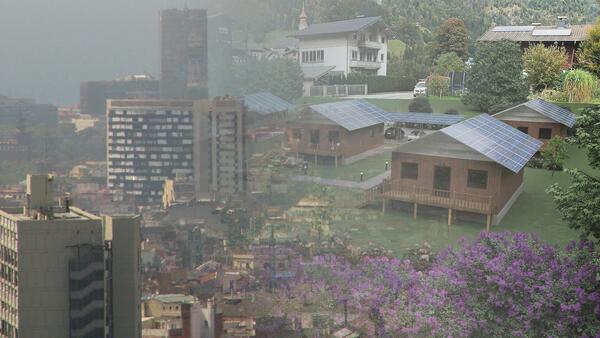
(334, 10)
(452, 36)
(420, 104)
(580, 85)
(555, 153)
(282, 77)
(580, 201)
(448, 62)
(438, 85)
(543, 66)
(589, 56)
(496, 76)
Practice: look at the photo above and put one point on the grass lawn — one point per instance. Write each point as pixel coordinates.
(438, 105)
(371, 166)
(533, 212)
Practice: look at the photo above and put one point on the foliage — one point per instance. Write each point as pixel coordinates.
(438, 85)
(448, 62)
(496, 76)
(580, 85)
(589, 56)
(281, 77)
(555, 153)
(452, 37)
(420, 104)
(451, 111)
(500, 284)
(554, 95)
(543, 66)
(335, 10)
(579, 203)
(375, 83)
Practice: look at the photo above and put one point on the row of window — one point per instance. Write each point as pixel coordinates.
(476, 179)
(544, 133)
(371, 37)
(313, 56)
(150, 112)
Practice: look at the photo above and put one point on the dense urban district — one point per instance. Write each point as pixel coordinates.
(318, 168)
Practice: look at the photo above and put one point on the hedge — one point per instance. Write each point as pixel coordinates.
(376, 83)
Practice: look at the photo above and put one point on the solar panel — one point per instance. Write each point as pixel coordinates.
(266, 103)
(495, 139)
(425, 118)
(552, 32)
(553, 111)
(352, 114)
(512, 29)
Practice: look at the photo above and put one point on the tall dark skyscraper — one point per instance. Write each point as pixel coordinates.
(184, 53)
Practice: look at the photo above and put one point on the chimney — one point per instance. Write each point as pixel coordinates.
(562, 22)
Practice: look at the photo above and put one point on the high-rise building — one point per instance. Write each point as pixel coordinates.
(93, 94)
(65, 272)
(219, 147)
(184, 53)
(148, 141)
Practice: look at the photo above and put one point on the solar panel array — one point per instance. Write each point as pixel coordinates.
(425, 118)
(266, 103)
(513, 29)
(552, 32)
(352, 114)
(553, 111)
(495, 139)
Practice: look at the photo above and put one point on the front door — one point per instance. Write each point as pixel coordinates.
(441, 181)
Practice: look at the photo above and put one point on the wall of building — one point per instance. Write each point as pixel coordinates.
(534, 128)
(124, 234)
(459, 176)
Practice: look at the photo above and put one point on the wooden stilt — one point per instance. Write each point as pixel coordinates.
(383, 205)
(415, 207)
(488, 224)
(449, 216)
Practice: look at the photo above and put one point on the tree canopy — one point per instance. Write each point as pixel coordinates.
(543, 66)
(448, 62)
(496, 76)
(420, 104)
(589, 57)
(452, 37)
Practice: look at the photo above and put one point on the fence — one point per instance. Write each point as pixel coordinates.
(339, 90)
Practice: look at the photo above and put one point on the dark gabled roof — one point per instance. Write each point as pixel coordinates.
(536, 33)
(496, 140)
(345, 26)
(266, 103)
(351, 114)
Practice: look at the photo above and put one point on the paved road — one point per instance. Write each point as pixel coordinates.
(384, 96)
(368, 184)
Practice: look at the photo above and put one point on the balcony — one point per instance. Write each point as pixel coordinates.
(480, 204)
(369, 44)
(365, 64)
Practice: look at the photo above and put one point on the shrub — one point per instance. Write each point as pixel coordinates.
(420, 105)
(579, 85)
(451, 111)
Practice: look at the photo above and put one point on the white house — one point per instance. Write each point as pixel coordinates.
(356, 45)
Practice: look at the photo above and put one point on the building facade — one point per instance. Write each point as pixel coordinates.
(356, 45)
(61, 273)
(148, 141)
(94, 94)
(220, 147)
(184, 53)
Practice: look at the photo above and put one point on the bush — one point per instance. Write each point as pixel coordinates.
(536, 162)
(376, 83)
(554, 95)
(420, 105)
(438, 85)
(580, 85)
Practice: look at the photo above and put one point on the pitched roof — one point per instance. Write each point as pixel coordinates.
(351, 114)
(555, 112)
(425, 118)
(496, 140)
(345, 26)
(266, 103)
(536, 33)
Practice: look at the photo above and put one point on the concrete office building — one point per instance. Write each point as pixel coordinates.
(93, 94)
(65, 272)
(148, 141)
(219, 147)
(184, 53)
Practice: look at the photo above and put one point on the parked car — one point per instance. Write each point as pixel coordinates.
(415, 134)
(420, 89)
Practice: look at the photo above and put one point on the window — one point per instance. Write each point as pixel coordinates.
(409, 170)
(354, 55)
(313, 56)
(206, 323)
(524, 130)
(297, 134)
(477, 179)
(315, 137)
(545, 133)
(372, 132)
(383, 39)
(382, 57)
(334, 136)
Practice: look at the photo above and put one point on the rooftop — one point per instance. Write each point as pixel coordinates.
(537, 33)
(351, 114)
(425, 118)
(266, 103)
(173, 298)
(335, 27)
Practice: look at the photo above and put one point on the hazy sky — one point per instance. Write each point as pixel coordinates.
(47, 47)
